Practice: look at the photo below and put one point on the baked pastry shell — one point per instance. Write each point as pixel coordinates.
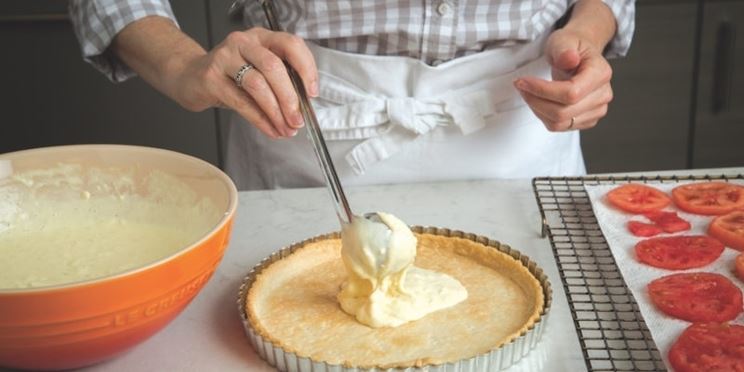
(495, 359)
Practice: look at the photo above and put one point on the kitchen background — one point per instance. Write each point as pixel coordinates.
(679, 94)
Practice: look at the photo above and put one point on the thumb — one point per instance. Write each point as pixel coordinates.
(565, 59)
(563, 52)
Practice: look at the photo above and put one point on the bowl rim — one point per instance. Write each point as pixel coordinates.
(227, 216)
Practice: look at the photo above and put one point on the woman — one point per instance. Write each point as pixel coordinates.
(405, 91)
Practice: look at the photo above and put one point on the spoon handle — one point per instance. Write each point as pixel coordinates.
(316, 136)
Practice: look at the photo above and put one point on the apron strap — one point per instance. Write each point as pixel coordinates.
(386, 124)
(409, 118)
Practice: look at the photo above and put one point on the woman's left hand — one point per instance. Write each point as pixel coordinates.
(580, 91)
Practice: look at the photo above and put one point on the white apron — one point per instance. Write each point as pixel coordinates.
(397, 120)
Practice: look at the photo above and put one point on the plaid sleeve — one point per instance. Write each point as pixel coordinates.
(96, 23)
(624, 11)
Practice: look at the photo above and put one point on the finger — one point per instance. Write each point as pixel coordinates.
(236, 99)
(559, 113)
(266, 81)
(259, 89)
(589, 119)
(294, 50)
(549, 124)
(565, 57)
(275, 78)
(227, 61)
(591, 74)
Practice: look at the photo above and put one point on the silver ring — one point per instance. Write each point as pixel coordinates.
(573, 121)
(241, 72)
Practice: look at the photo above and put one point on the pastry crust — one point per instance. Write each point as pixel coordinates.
(292, 303)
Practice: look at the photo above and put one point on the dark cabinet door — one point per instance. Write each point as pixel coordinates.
(719, 125)
(647, 126)
(49, 96)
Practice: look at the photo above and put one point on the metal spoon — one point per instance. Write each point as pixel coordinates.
(343, 211)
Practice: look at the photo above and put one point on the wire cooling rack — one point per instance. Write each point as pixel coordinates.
(611, 330)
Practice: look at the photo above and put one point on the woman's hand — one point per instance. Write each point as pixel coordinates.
(580, 91)
(177, 66)
(265, 97)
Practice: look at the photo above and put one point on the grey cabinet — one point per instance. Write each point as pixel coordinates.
(49, 96)
(679, 95)
(647, 125)
(719, 121)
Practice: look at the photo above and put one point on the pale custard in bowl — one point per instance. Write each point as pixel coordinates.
(101, 246)
(66, 224)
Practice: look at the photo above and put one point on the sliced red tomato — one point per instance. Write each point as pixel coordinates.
(729, 229)
(643, 229)
(678, 252)
(637, 198)
(697, 297)
(669, 222)
(709, 198)
(740, 266)
(709, 347)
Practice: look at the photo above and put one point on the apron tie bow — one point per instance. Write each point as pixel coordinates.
(403, 112)
(407, 118)
(386, 124)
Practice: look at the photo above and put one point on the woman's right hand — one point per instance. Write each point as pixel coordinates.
(266, 97)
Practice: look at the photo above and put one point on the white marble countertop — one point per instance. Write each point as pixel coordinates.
(208, 335)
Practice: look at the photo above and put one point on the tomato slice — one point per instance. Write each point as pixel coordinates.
(643, 229)
(740, 266)
(637, 198)
(709, 198)
(669, 222)
(729, 229)
(709, 347)
(663, 221)
(697, 297)
(678, 252)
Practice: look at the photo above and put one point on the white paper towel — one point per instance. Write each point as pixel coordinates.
(664, 329)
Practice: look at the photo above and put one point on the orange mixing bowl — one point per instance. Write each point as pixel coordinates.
(81, 323)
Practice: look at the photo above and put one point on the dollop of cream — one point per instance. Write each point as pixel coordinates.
(384, 288)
